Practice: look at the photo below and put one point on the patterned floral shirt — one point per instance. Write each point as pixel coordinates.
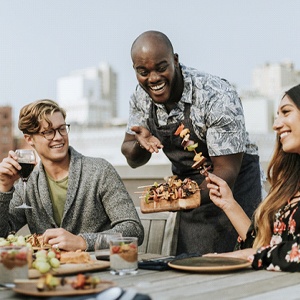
(283, 253)
(216, 113)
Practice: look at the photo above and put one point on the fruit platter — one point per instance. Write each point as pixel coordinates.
(42, 271)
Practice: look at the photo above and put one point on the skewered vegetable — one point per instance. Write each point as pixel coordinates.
(172, 189)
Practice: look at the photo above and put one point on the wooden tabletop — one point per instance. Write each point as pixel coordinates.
(246, 284)
(173, 284)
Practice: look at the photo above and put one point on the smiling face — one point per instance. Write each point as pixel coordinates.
(55, 150)
(157, 68)
(287, 125)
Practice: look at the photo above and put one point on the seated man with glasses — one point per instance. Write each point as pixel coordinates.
(72, 197)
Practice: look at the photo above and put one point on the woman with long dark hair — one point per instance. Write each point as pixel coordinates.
(272, 239)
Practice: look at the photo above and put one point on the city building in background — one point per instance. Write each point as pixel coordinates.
(6, 131)
(269, 82)
(89, 95)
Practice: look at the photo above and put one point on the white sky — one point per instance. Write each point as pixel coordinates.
(42, 40)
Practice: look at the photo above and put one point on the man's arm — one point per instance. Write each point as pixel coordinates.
(138, 148)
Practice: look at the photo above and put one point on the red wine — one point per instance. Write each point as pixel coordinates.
(26, 170)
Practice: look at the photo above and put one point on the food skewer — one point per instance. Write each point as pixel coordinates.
(199, 159)
(144, 186)
(174, 190)
(169, 193)
(204, 170)
(171, 190)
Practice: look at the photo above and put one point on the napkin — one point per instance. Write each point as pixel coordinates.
(161, 264)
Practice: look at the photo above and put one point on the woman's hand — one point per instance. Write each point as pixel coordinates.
(63, 239)
(219, 192)
(221, 195)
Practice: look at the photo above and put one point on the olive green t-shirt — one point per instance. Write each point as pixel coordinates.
(58, 194)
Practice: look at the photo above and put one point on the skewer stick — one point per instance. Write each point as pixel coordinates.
(204, 170)
(170, 192)
(143, 196)
(144, 186)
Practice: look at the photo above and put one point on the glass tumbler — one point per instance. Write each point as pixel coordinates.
(14, 261)
(123, 256)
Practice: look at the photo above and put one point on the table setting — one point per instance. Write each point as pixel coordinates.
(168, 282)
(28, 272)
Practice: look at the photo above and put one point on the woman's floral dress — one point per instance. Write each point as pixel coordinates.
(283, 253)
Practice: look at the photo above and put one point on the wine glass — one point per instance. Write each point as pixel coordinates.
(102, 244)
(27, 160)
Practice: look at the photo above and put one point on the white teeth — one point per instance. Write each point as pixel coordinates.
(57, 146)
(157, 87)
(283, 134)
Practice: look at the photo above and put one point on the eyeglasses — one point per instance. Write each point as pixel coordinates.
(50, 134)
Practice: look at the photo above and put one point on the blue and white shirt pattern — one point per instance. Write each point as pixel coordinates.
(216, 113)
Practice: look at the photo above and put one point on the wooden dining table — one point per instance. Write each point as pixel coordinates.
(244, 283)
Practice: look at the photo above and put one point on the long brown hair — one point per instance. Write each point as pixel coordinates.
(283, 175)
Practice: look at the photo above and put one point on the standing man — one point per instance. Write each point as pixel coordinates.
(73, 197)
(170, 94)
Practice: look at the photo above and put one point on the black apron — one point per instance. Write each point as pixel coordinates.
(205, 229)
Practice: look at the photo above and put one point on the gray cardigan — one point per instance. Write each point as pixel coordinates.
(97, 201)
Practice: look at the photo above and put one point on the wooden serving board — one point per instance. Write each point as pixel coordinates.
(29, 288)
(164, 205)
(65, 269)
